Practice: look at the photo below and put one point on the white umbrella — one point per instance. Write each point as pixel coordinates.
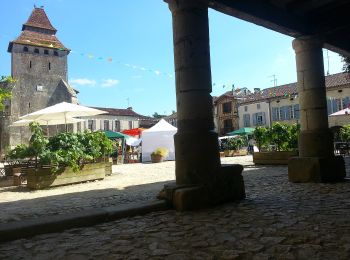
(62, 111)
(345, 111)
(25, 122)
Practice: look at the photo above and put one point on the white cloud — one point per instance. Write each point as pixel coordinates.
(107, 83)
(83, 82)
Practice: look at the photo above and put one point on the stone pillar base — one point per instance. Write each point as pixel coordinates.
(227, 186)
(316, 169)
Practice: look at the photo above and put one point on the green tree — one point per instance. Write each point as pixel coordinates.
(346, 63)
(279, 136)
(158, 116)
(293, 134)
(6, 84)
(261, 136)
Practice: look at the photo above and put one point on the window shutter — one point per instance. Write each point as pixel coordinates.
(274, 114)
(329, 106)
(254, 119)
(263, 118)
(296, 111)
(345, 102)
(334, 106)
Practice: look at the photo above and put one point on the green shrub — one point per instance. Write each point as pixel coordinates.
(234, 143)
(345, 133)
(64, 149)
(260, 136)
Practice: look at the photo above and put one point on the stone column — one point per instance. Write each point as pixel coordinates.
(196, 143)
(316, 160)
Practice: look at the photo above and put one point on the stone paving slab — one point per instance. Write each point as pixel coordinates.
(128, 183)
(278, 220)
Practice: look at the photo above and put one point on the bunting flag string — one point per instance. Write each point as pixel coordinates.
(91, 56)
(128, 65)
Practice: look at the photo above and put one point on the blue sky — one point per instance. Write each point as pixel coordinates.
(137, 36)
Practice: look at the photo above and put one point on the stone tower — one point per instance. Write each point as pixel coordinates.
(39, 66)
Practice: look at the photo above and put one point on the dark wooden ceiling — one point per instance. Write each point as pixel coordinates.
(327, 19)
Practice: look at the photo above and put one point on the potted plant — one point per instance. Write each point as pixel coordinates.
(159, 154)
(65, 158)
(284, 139)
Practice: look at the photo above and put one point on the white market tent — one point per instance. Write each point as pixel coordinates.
(159, 135)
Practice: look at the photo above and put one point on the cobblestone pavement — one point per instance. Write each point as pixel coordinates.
(128, 183)
(278, 220)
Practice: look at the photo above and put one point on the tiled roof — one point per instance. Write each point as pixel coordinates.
(334, 80)
(119, 112)
(36, 37)
(39, 39)
(39, 19)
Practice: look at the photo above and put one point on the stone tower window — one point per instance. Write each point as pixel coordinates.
(25, 49)
(46, 52)
(30, 64)
(55, 53)
(49, 65)
(36, 50)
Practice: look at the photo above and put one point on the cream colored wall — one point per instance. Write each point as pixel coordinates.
(124, 122)
(252, 109)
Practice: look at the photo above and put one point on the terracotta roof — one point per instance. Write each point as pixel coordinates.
(35, 37)
(334, 80)
(119, 112)
(38, 39)
(39, 19)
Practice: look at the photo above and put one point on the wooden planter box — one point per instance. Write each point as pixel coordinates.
(273, 158)
(230, 153)
(39, 178)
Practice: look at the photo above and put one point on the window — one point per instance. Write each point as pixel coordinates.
(91, 125)
(291, 112)
(39, 88)
(46, 52)
(49, 65)
(25, 49)
(130, 124)
(245, 108)
(259, 119)
(227, 107)
(106, 125)
(246, 120)
(117, 126)
(36, 50)
(30, 64)
(257, 106)
(55, 53)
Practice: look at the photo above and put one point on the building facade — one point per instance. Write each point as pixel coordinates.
(281, 103)
(115, 120)
(226, 113)
(39, 66)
